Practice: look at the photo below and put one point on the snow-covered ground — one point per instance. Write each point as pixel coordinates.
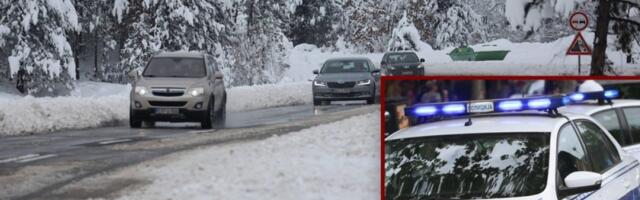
(523, 59)
(339, 160)
(94, 104)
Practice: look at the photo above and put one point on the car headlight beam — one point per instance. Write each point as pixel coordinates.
(364, 82)
(320, 83)
(196, 92)
(141, 90)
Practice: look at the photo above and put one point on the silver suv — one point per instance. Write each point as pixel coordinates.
(178, 87)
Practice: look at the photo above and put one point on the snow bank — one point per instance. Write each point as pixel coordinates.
(322, 162)
(23, 115)
(94, 104)
(270, 95)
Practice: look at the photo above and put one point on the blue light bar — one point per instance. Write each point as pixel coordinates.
(510, 105)
(454, 109)
(611, 94)
(539, 103)
(602, 95)
(485, 106)
(577, 97)
(426, 111)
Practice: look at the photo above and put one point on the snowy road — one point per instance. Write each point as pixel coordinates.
(40, 166)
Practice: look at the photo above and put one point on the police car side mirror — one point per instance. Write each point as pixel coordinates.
(580, 182)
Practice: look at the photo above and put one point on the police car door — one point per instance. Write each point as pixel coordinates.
(619, 176)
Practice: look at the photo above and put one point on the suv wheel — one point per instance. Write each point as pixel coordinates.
(316, 102)
(133, 122)
(371, 100)
(207, 121)
(221, 116)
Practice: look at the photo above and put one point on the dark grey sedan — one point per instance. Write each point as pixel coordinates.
(345, 79)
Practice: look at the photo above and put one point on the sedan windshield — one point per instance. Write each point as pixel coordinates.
(401, 58)
(465, 167)
(176, 67)
(345, 66)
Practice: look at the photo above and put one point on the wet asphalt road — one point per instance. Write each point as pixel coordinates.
(34, 167)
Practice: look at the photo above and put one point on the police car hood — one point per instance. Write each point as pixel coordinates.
(492, 124)
(344, 77)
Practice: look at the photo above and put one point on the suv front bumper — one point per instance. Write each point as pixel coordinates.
(183, 109)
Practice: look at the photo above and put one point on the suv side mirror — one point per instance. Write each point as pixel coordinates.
(316, 71)
(422, 60)
(375, 71)
(383, 62)
(133, 74)
(218, 76)
(580, 182)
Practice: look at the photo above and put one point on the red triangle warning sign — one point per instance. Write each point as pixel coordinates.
(579, 46)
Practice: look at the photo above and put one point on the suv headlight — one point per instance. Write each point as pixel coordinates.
(364, 82)
(319, 83)
(141, 90)
(196, 91)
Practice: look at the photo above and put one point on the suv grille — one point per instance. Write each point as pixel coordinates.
(168, 103)
(341, 85)
(167, 92)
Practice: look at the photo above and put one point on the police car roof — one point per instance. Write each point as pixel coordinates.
(590, 107)
(180, 54)
(522, 122)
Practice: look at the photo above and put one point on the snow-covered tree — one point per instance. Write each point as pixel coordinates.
(314, 21)
(38, 42)
(169, 25)
(619, 17)
(405, 36)
(259, 53)
(457, 25)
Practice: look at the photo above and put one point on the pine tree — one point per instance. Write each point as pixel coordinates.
(313, 22)
(39, 44)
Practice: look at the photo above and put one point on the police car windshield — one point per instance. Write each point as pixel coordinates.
(465, 167)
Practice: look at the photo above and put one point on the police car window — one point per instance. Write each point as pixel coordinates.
(469, 166)
(571, 156)
(609, 119)
(602, 152)
(633, 119)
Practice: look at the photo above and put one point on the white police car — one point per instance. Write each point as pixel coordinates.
(621, 117)
(506, 148)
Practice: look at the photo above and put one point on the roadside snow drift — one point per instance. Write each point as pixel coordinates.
(94, 104)
(339, 160)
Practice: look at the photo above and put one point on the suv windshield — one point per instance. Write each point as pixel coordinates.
(345, 66)
(468, 166)
(397, 58)
(176, 67)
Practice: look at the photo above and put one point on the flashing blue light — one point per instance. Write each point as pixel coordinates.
(610, 94)
(454, 109)
(539, 104)
(510, 105)
(426, 110)
(577, 97)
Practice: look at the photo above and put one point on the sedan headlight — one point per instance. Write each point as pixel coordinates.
(320, 83)
(196, 91)
(141, 90)
(364, 82)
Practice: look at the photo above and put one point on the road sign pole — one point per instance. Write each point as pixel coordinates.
(579, 65)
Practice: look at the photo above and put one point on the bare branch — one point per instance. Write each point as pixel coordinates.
(625, 20)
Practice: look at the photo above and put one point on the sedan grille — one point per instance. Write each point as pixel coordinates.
(168, 103)
(341, 85)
